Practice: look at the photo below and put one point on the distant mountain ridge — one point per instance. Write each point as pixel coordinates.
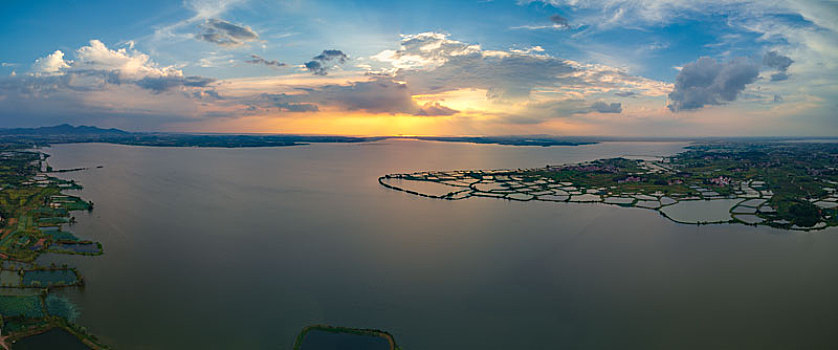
(63, 129)
(66, 133)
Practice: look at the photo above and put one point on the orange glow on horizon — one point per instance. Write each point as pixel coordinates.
(325, 123)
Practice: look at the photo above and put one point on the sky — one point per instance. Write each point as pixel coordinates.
(468, 67)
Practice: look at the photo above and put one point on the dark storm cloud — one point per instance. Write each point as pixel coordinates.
(625, 93)
(779, 62)
(256, 59)
(221, 32)
(707, 82)
(603, 107)
(318, 64)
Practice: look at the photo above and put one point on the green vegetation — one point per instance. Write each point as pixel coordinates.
(21, 306)
(57, 235)
(76, 248)
(33, 211)
(795, 184)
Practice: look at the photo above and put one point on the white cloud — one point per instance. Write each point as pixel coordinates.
(434, 63)
(128, 64)
(51, 64)
(100, 83)
(425, 51)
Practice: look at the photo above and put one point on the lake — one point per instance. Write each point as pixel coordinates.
(242, 248)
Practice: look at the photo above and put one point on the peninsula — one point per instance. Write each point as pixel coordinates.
(35, 216)
(788, 185)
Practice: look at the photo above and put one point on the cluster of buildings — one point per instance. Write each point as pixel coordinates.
(720, 181)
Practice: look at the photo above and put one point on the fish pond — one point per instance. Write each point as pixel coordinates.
(55, 338)
(43, 278)
(701, 211)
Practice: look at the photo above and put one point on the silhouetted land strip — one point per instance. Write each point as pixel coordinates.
(44, 136)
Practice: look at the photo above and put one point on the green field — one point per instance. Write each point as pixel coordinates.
(9, 278)
(27, 306)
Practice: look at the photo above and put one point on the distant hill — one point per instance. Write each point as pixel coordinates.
(66, 133)
(64, 130)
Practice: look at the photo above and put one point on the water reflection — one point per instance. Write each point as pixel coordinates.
(255, 244)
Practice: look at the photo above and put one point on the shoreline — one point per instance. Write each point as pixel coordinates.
(755, 194)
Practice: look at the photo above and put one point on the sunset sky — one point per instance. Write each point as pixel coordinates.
(477, 67)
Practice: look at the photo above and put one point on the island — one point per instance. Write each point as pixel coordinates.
(35, 215)
(787, 185)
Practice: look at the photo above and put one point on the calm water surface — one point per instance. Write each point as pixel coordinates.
(242, 248)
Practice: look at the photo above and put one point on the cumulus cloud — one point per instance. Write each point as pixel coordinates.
(319, 64)
(779, 62)
(100, 81)
(256, 59)
(430, 62)
(124, 63)
(221, 32)
(707, 82)
(51, 64)
(603, 107)
(433, 63)
(425, 51)
(96, 66)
